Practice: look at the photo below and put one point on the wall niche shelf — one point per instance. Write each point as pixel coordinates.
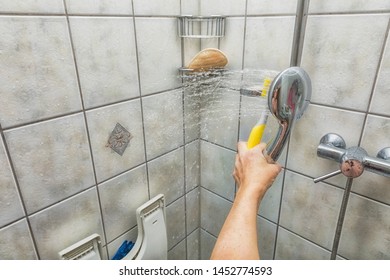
(201, 26)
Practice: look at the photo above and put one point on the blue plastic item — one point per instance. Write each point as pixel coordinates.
(123, 250)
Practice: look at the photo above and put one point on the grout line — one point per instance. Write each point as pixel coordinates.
(86, 125)
(20, 195)
(367, 112)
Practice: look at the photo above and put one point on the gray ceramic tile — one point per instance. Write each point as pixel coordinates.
(10, 204)
(333, 46)
(294, 247)
(16, 242)
(380, 101)
(269, 207)
(120, 197)
(37, 72)
(307, 133)
(66, 223)
(310, 210)
(192, 165)
(319, 6)
(217, 166)
(106, 59)
(207, 243)
(101, 123)
(190, 7)
(219, 116)
(159, 53)
(192, 100)
(193, 210)
(163, 122)
(222, 7)
(375, 137)
(166, 175)
(365, 234)
(264, 50)
(271, 7)
(52, 160)
(234, 33)
(156, 7)
(176, 229)
(32, 6)
(193, 245)
(99, 7)
(213, 211)
(266, 232)
(178, 252)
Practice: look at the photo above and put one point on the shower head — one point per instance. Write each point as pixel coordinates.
(288, 97)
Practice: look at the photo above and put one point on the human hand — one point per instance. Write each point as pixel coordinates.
(253, 171)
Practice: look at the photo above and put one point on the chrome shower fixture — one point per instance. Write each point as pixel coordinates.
(354, 160)
(288, 97)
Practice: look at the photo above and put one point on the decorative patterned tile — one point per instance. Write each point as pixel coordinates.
(119, 139)
(166, 175)
(78, 215)
(37, 72)
(120, 197)
(51, 159)
(99, 7)
(158, 71)
(333, 46)
(365, 234)
(163, 122)
(101, 123)
(16, 242)
(106, 58)
(10, 204)
(310, 210)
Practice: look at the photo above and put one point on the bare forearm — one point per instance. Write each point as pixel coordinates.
(238, 236)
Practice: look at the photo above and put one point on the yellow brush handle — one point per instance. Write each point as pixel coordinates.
(256, 135)
(258, 130)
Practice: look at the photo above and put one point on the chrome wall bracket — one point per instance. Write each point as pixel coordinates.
(353, 161)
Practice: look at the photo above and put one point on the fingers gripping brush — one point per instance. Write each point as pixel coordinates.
(257, 131)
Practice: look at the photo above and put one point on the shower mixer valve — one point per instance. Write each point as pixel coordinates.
(353, 161)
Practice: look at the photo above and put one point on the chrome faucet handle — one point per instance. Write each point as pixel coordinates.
(353, 161)
(327, 176)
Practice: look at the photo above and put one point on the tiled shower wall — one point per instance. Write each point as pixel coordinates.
(71, 70)
(346, 51)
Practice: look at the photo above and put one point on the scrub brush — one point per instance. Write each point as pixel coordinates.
(258, 130)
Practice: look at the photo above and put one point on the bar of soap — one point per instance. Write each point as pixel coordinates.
(208, 59)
